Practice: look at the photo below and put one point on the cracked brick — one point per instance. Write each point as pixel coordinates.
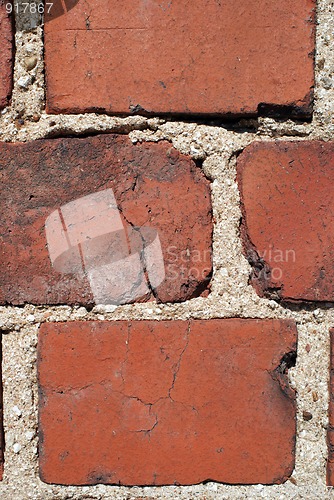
(63, 241)
(217, 58)
(287, 225)
(166, 402)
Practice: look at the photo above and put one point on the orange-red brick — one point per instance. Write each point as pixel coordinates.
(166, 402)
(183, 57)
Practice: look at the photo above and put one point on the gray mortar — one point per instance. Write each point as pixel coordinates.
(230, 296)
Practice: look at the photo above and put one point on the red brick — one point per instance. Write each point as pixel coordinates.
(181, 57)
(156, 189)
(287, 228)
(168, 402)
(330, 428)
(6, 51)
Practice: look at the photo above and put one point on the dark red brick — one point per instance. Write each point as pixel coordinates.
(181, 57)
(166, 402)
(287, 228)
(6, 51)
(157, 190)
(330, 428)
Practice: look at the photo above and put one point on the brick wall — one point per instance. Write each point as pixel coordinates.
(166, 292)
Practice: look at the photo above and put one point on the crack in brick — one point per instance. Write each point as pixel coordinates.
(147, 432)
(127, 343)
(178, 365)
(211, 365)
(142, 256)
(175, 373)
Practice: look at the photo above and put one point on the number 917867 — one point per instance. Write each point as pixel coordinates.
(29, 7)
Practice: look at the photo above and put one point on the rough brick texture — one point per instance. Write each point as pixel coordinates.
(168, 402)
(330, 428)
(59, 237)
(287, 228)
(185, 57)
(6, 51)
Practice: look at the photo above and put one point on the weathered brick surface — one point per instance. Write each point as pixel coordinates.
(181, 57)
(55, 242)
(330, 428)
(6, 51)
(166, 402)
(287, 229)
